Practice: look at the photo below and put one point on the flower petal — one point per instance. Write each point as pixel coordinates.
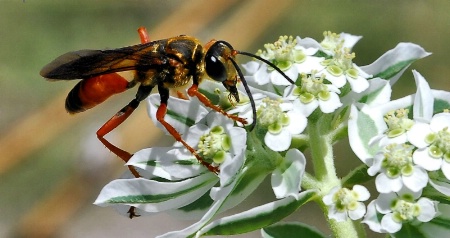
(417, 180)
(440, 121)
(278, 142)
(297, 123)
(384, 184)
(363, 193)
(358, 212)
(416, 135)
(446, 169)
(389, 225)
(331, 104)
(427, 209)
(422, 158)
(358, 84)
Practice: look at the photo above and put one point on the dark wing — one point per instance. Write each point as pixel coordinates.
(89, 63)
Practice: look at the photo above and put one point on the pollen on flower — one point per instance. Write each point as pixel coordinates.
(283, 52)
(345, 199)
(398, 160)
(214, 145)
(271, 116)
(440, 143)
(331, 40)
(398, 122)
(312, 88)
(404, 210)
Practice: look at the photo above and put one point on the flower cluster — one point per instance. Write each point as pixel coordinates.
(407, 154)
(404, 146)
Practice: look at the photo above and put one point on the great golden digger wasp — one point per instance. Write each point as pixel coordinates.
(165, 64)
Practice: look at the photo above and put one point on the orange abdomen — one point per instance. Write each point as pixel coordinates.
(92, 91)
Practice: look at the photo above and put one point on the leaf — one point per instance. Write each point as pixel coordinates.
(258, 217)
(155, 196)
(181, 114)
(441, 100)
(393, 63)
(423, 100)
(167, 162)
(409, 231)
(291, 229)
(287, 177)
(361, 129)
(227, 197)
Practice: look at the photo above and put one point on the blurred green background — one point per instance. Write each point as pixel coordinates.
(32, 33)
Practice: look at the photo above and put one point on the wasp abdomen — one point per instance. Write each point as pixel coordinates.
(92, 91)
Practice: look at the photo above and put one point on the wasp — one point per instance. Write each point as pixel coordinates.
(165, 64)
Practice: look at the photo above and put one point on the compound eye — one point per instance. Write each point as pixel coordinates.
(215, 68)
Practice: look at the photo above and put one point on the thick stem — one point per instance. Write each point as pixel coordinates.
(321, 136)
(320, 143)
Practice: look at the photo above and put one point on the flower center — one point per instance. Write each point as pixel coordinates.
(439, 144)
(405, 210)
(331, 41)
(342, 61)
(345, 199)
(312, 88)
(398, 160)
(271, 116)
(214, 145)
(283, 52)
(398, 122)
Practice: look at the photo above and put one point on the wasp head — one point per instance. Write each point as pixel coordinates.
(219, 66)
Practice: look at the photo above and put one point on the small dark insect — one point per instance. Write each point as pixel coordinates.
(165, 64)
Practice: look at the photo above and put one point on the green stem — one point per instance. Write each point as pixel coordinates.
(321, 136)
(320, 142)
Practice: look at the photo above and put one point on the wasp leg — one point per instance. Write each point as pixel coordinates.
(161, 113)
(193, 91)
(110, 125)
(143, 35)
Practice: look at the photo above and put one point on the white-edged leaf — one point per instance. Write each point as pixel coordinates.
(167, 162)
(423, 101)
(181, 114)
(291, 229)
(393, 63)
(258, 217)
(361, 129)
(225, 198)
(155, 196)
(378, 93)
(287, 177)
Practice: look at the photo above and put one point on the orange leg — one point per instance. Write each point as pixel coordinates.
(160, 114)
(110, 125)
(143, 35)
(193, 91)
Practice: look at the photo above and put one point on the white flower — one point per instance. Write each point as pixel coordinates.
(398, 208)
(283, 53)
(433, 142)
(313, 93)
(343, 202)
(340, 69)
(394, 163)
(397, 127)
(281, 123)
(220, 143)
